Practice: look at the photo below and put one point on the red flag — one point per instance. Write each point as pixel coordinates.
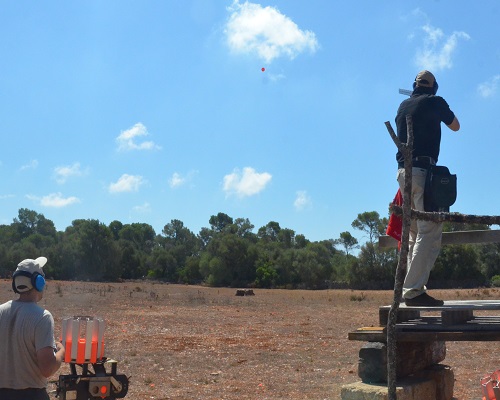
(395, 226)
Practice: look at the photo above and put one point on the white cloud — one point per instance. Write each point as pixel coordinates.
(63, 173)
(266, 32)
(302, 200)
(143, 209)
(489, 88)
(126, 183)
(438, 49)
(128, 140)
(276, 77)
(417, 12)
(55, 200)
(246, 184)
(176, 180)
(33, 164)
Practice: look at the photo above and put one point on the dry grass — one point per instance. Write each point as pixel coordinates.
(185, 342)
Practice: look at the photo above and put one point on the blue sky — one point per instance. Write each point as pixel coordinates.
(148, 111)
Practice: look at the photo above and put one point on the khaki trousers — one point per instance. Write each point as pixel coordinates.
(425, 239)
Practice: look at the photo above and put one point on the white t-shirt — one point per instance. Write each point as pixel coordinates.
(25, 328)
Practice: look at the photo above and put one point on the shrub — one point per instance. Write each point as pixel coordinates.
(495, 281)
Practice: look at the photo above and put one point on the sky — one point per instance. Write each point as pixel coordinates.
(145, 111)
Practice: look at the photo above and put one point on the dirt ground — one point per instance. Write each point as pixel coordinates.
(191, 342)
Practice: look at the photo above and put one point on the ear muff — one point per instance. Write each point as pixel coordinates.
(435, 87)
(37, 280)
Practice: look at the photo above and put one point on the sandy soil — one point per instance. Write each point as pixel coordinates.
(188, 342)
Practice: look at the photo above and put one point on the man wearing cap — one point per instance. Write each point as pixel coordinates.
(427, 111)
(28, 351)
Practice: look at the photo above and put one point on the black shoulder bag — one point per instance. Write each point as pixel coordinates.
(440, 189)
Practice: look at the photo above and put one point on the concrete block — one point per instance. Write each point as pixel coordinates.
(411, 357)
(406, 389)
(444, 378)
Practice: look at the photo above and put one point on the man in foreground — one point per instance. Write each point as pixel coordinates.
(28, 351)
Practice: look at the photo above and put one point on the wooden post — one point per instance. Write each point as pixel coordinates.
(406, 150)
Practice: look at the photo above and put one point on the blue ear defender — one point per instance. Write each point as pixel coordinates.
(37, 280)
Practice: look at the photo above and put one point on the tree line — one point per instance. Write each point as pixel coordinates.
(230, 253)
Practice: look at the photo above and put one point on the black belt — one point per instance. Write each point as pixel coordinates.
(420, 162)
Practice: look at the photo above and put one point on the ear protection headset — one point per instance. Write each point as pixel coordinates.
(435, 86)
(37, 280)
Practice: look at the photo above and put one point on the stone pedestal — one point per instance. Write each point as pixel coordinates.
(411, 357)
(434, 383)
(443, 376)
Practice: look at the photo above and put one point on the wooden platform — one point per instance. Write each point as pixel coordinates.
(454, 321)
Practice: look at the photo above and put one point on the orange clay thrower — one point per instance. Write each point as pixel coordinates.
(83, 339)
(490, 385)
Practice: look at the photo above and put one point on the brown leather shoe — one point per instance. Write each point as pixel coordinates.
(424, 300)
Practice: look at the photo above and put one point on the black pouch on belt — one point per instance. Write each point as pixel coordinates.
(440, 189)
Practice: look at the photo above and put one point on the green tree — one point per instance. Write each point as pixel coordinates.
(466, 265)
(266, 276)
(458, 265)
(141, 235)
(132, 261)
(116, 227)
(313, 265)
(163, 265)
(377, 267)
(287, 238)
(342, 266)
(96, 255)
(270, 232)
(5, 268)
(229, 260)
(181, 244)
(220, 221)
(370, 223)
(347, 241)
(244, 229)
(30, 222)
(190, 273)
(489, 256)
(301, 241)
(205, 236)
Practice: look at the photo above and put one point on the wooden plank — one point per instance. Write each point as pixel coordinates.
(472, 336)
(459, 237)
(453, 321)
(403, 315)
(452, 312)
(428, 336)
(456, 317)
(372, 329)
(454, 305)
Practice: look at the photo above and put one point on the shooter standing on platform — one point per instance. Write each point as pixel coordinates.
(427, 111)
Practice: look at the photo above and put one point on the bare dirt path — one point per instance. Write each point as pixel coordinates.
(188, 342)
